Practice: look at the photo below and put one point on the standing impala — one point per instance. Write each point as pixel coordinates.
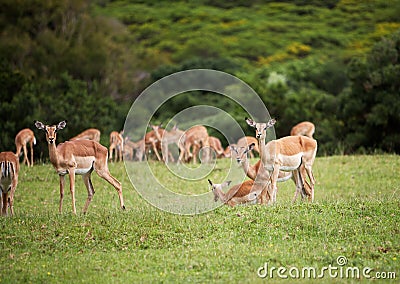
(169, 137)
(24, 137)
(79, 157)
(9, 169)
(117, 145)
(286, 154)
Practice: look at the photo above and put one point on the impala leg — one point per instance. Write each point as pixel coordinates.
(196, 150)
(274, 178)
(89, 186)
(105, 174)
(31, 144)
(310, 174)
(295, 178)
(11, 202)
(155, 150)
(111, 151)
(26, 155)
(5, 203)
(72, 187)
(62, 184)
(12, 192)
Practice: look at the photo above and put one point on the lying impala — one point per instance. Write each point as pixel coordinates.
(247, 192)
(24, 137)
(304, 128)
(253, 171)
(286, 154)
(79, 157)
(9, 169)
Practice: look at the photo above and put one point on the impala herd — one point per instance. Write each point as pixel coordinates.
(290, 157)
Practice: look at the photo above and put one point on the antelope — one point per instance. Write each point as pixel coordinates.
(287, 154)
(88, 134)
(150, 140)
(9, 169)
(305, 128)
(196, 137)
(79, 157)
(117, 145)
(228, 151)
(247, 192)
(24, 137)
(137, 147)
(254, 171)
(246, 141)
(215, 144)
(169, 137)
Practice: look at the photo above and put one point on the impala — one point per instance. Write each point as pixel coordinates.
(117, 145)
(88, 134)
(131, 147)
(79, 157)
(304, 128)
(215, 144)
(286, 154)
(254, 171)
(196, 138)
(247, 192)
(24, 137)
(151, 141)
(167, 138)
(9, 169)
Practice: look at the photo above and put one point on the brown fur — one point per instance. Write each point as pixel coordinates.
(88, 134)
(305, 128)
(24, 137)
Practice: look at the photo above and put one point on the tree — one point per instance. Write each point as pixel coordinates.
(371, 109)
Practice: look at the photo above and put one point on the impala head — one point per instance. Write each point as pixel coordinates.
(216, 188)
(51, 130)
(156, 129)
(240, 153)
(261, 128)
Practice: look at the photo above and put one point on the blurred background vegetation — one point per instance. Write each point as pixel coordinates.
(335, 63)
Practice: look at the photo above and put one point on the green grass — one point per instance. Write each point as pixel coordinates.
(355, 214)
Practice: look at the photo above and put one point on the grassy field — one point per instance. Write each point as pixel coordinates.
(355, 215)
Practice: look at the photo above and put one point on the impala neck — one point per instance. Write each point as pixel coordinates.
(53, 153)
(249, 170)
(221, 195)
(261, 148)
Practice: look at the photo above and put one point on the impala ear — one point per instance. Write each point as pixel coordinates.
(251, 146)
(250, 122)
(61, 125)
(226, 183)
(210, 182)
(39, 125)
(271, 123)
